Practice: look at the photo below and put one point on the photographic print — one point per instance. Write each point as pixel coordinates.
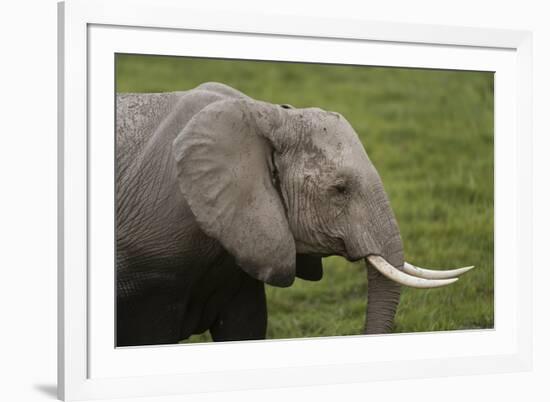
(278, 200)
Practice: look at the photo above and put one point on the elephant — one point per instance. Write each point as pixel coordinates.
(218, 194)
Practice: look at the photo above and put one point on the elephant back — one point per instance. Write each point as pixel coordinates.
(137, 117)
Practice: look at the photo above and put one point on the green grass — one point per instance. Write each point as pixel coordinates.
(430, 135)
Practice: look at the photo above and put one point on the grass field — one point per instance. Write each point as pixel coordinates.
(430, 135)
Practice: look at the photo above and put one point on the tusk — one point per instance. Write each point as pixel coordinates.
(434, 274)
(390, 272)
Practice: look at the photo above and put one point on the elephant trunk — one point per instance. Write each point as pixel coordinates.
(382, 301)
(376, 235)
(383, 293)
(386, 271)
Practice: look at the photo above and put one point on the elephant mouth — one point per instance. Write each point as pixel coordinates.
(409, 275)
(335, 246)
(413, 276)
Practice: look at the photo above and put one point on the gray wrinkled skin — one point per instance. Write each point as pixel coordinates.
(218, 193)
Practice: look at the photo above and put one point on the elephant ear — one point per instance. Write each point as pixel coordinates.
(224, 167)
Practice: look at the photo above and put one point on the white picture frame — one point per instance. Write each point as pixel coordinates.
(90, 32)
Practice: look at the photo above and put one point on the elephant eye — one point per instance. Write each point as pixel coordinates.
(340, 188)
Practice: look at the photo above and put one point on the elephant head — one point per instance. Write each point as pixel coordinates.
(271, 182)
